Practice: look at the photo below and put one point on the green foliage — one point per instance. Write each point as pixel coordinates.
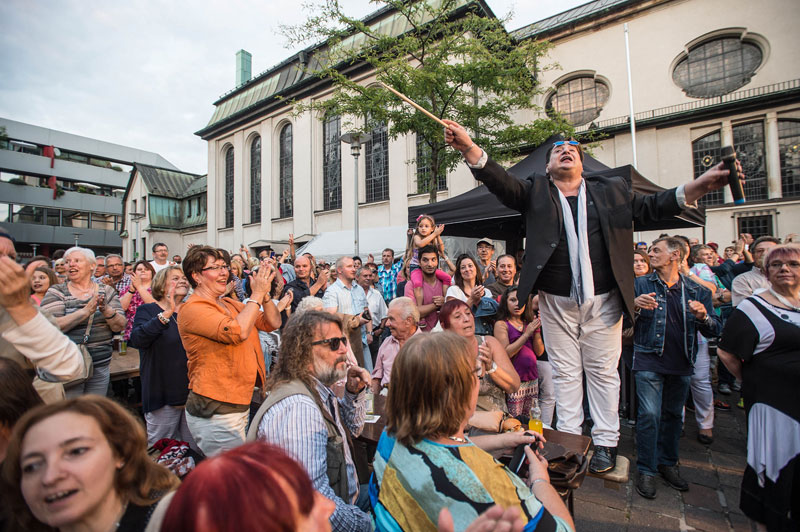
(447, 55)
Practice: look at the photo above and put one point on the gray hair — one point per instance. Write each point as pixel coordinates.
(86, 252)
(114, 256)
(407, 308)
(309, 303)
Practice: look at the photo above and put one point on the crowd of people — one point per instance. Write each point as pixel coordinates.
(256, 371)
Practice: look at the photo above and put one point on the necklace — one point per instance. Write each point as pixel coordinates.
(783, 300)
(84, 292)
(459, 440)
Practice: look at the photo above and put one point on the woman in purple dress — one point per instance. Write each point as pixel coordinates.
(520, 334)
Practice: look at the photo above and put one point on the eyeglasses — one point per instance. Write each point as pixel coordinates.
(570, 142)
(215, 268)
(793, 265)
(332, 343)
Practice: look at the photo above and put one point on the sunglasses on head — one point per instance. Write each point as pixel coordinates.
(570, 142)
(332, 343)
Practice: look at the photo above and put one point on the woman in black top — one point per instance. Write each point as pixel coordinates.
(761, 346)
(162, 359)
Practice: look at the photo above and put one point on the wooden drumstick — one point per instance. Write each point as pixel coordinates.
(414, 104)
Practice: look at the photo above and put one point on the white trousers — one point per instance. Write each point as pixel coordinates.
(547, 392)
(218, 433)
(702, 393)
(585, 340)
(168, 422)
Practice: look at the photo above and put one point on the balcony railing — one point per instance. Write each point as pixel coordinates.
(704, 104)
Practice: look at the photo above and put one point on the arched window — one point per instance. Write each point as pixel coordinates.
(705, 154)
(331, 162)
(424, 172)
(255, 180)
(748, 141)
(789, 145)
(717, 66)
(229, 187)
(285, 172)
(376, 161)
(579, 100)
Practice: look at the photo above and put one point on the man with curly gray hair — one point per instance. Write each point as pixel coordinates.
(303, 415)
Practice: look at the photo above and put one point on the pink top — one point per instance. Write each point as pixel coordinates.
(136, 302)
(428, 293)
(386, 355)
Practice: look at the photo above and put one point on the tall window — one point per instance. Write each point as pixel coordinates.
(331, 163)
(424, 171)
(579, 100)
(376, 160)
(255, 180)
(285, 172)
(789, 145)
(229, 187)
(717, 67)
(705, 154)
(748, 141)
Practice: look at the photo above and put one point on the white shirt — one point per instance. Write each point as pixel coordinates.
(456, 292)
(377, 306)
(158, 267)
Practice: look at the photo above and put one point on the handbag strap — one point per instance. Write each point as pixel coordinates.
(91, 320)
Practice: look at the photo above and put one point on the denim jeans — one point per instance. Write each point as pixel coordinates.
(658, 424)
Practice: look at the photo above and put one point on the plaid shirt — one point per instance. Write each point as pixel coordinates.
(120, 286)
(388, 280)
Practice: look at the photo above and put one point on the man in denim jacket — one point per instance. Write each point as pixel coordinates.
(670, 309)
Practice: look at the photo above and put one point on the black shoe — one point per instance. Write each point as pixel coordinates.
(646, 486)
(673, 477)
(705, 440)
(603, 460)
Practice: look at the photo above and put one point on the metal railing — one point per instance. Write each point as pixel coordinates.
(707, 103)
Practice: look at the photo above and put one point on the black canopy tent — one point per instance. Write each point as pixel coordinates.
(479, 213)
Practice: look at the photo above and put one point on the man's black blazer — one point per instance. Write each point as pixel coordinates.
(536, 198)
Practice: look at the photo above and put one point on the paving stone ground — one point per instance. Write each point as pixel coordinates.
(714, 473)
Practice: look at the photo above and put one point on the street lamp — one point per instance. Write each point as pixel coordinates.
(136, 216)
(355, 140)
(77, 236)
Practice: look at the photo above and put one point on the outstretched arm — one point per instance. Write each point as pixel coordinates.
(714, 178)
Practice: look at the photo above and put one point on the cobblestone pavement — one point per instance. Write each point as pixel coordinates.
(714, 473)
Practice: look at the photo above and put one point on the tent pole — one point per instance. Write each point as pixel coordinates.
(630, 96)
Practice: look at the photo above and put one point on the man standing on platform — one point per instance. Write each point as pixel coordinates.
(670, 310)
(578, 256)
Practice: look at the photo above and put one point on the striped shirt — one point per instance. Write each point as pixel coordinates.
(388, 279)
(297, 425)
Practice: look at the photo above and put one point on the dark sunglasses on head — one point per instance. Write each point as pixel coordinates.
(333, 343)
(570, 142)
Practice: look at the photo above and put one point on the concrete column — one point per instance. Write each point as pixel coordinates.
(239, 215)
(267, 147)
(773, 154)
(726, 138)
(213, 204)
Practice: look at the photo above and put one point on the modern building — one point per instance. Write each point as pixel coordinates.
(163, 205)
(705, 73)
(60, 189)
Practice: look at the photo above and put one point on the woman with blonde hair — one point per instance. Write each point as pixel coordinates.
(81, 464)
(424, 455)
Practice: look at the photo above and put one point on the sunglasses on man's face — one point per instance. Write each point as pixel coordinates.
(569, 142)
(332, 343)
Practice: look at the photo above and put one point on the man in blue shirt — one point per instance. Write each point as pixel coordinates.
(387, 274)
(670, 309)
(345, 296)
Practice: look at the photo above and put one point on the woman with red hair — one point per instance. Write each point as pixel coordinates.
(252, 487)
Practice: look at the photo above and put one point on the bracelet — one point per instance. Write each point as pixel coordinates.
(468, 149)
(162, 319)
(131, 290)
(538, 480)
(253, 301)
(494, 368)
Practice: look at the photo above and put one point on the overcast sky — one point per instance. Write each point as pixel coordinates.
(144, 73)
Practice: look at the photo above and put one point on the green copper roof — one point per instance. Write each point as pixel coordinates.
(289, 73)
(568, 17)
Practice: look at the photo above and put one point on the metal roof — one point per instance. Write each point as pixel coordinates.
(568, 17)
(170, 183)
(290, 73)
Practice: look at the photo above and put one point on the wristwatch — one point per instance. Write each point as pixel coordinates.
(131, 289)
(494, 368)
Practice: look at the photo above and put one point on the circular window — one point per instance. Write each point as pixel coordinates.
(717, 67)
(579, 100)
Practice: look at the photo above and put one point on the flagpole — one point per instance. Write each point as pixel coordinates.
(630, 95)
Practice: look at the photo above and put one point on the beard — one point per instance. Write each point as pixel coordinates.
(327, 374)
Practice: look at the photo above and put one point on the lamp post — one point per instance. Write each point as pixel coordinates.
(136, 216)
(355, 140)
(77, 236)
